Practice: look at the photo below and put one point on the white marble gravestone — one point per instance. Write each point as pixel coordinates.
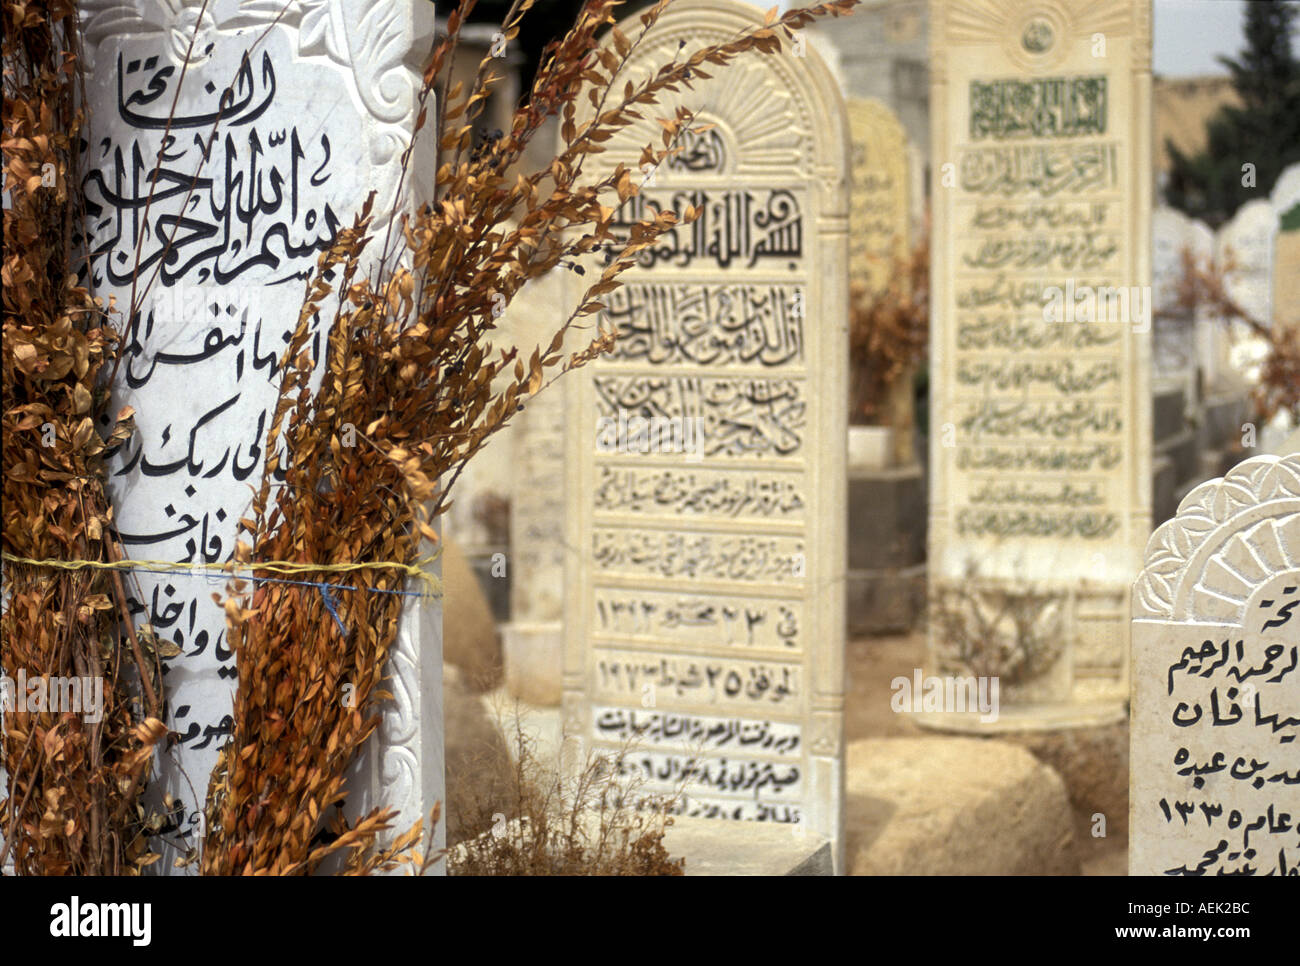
(1248, 237)
(1040, 429)
(705, 611)
(1213, 344)
(312, 106)
(1248, 243)
(1215, 733)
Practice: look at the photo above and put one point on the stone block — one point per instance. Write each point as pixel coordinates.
(711, 847)
(470, 640)
(1221, 420)
(1168, 413)
(1184, 452)
(1164, 486)
(885, 601)
(494, 581)
(886, 518)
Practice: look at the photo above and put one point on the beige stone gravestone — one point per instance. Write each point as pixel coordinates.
(1214, 755)
(705, 609)
(879, 234)
(1040, 419)
(878, 196)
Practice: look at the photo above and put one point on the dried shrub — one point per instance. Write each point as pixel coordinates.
(410, 359)
(1203, 283)
(889, 332)
(72, 803)
(996, 630)
(592, 823)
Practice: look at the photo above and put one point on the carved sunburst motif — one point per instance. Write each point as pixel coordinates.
(766, 130)
(992, 21)
(1229, 538)
(1247, 562)
(1035, 36)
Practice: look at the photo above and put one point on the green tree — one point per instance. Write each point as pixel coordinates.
(1263, 131)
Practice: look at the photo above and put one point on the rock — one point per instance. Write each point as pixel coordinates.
(469, 633)
(716, 847)
(480, 774)
(954, 806)
(1093, 763)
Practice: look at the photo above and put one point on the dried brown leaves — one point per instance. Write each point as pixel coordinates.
(72, 800)
(411, 367)
(888, 331)
(1204, 284)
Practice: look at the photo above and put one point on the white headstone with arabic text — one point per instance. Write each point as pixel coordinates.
(1040, 406)
(1215, 732)
(302, 110)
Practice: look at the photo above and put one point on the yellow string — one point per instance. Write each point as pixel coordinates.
(232, 568)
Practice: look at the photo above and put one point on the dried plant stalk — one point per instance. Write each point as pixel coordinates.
(71, 804)
(1203, 284)
(410, 363)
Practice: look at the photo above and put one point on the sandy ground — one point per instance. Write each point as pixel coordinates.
(871, 663)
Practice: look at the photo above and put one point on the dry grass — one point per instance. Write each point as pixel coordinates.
(593, 822)
(73, 802)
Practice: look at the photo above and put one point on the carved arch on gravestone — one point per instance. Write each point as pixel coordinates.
(1227, 542)
(795, 135)
(1029, 33)
(369, 40)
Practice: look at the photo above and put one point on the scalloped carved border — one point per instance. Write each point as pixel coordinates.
(815, 138)
(370, 40)
(1003, 22)
(1178, 553)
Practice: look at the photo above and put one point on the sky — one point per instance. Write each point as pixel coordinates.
(1189, 34)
